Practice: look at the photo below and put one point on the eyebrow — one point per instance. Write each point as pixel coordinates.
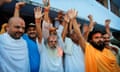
(19, 27)
(98, 36)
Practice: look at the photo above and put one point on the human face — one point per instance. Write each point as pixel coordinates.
(52, 41)
(97, 38)
(106, 38)
(31, 31)
(97, 41)
(16, 28)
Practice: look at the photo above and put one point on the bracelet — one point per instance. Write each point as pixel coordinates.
(17, 7)
(46, 10)
(37, 20)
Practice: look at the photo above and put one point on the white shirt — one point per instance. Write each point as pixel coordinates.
(45, 29)
(50, 61)
(13, 54)
(74, 57)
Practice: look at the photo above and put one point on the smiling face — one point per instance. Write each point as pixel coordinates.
(97, 41)
(31, 31)
(97, 38)
(16, 27)
(106, 38)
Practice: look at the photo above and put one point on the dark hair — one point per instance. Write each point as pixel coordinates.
(104, 32)
(116, 34)
(92, 33)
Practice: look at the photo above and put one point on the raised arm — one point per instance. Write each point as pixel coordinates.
(46, 10)
(38, 16)
(46, 3)
(77, 30)
(85, 30)
(89, 28)
(65, 23)
(17, 8)
(71, 22)
(107, 27)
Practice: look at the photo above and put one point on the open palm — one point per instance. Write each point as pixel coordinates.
(38, 12)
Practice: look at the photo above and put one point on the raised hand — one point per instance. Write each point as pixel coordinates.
(38, 15)
(107, 27)
(19, 5)
(107, 21)
(38, 12)
(17, 8)
(66, 18)
(46, 4)
(85, 28)
(92, 23)
(75, 13)
(72, 13)
(90, 17)
(69, 13)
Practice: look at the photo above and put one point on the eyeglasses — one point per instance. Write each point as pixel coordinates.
(53, 41)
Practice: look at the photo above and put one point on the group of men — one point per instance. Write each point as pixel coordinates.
(45, 48)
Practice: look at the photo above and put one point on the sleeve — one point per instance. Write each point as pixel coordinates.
(60, 41)
(60, 30)
(41, 45)
(45, 30)
(57, 23)
(68, 46)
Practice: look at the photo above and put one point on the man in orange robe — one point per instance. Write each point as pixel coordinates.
(97, 57)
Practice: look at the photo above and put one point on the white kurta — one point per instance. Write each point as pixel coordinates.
(45, 29)
(74, 57)
(13, 54)
(50, 61)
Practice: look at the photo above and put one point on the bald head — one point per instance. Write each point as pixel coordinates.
(16, 27)
(16, 20)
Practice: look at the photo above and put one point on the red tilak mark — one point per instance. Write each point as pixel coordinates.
(22, 23)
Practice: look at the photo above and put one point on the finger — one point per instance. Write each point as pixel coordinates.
(41, 9)
(76, 13)
(42, 14)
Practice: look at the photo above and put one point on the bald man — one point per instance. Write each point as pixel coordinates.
(13, 49)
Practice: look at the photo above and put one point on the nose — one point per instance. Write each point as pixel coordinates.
(101, 39)
(53, 42)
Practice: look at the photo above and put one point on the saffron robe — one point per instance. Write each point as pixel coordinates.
(100, 61)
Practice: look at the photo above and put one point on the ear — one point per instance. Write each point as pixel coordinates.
(6, 27)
